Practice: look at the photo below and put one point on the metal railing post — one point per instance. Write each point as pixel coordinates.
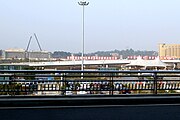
(11, 87)
(64, 84)
(155, 83)
(112, 85)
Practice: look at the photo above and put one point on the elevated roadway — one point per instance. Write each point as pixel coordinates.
(124, 107)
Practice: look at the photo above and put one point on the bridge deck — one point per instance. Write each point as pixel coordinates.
(126, 107)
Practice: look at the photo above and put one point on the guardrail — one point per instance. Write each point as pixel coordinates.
(41, 82)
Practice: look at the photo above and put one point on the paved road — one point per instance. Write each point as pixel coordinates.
(143, 112)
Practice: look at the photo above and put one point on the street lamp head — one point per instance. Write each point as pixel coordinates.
(83, 3)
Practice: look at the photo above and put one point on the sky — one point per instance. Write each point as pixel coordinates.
(109, 25)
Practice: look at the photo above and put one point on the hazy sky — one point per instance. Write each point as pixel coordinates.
(109, 24)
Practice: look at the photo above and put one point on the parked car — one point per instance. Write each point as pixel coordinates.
(69, 93)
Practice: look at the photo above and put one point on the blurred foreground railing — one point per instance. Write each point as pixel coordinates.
(33, 82)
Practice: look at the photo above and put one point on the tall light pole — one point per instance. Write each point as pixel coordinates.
(83, 4)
